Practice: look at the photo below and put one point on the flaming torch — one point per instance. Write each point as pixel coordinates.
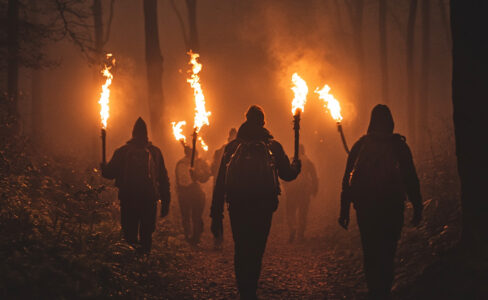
(177, 132)
(201, 114)
(333, 106)
(104, 100)
(300, 90)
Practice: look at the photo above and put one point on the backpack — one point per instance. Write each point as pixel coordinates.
(376, 171)
(252, 170)
(140, 172)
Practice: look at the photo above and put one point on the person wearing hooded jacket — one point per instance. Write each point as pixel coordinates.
(380, 211)
(299, 194)
(191, 197)
(250, 214)
(138, 198)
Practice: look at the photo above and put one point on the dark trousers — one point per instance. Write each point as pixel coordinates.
(297, 208)
(250, 229)
(192, 203)
(138, 221)
(380, 227)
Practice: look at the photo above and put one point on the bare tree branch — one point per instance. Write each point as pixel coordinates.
(109, 23)
(74, 25)
(182, 24)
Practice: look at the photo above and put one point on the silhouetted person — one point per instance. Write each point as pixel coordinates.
(248, 181)
(191, 197)
(298, 195)
(217, 158)
(379, 174)
(215, 171)
(141, 177)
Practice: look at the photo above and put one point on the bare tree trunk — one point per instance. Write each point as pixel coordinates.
(470, 47)
(423, 106)
(13, 55)
(445, 22)
(192, 24)
(154, 67)
(337, 22)
(37, 104)
(411, 87)
(98, 28)
(355, 9)
(383, 52)
(37, 107)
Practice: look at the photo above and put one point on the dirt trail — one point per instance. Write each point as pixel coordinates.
(314, 269)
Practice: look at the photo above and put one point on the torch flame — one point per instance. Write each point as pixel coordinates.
(330, 102)
(202, 143)
(201, 115)
(105, 95)
(177, 131)
(301, 90)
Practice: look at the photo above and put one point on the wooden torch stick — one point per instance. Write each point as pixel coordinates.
(194, 142)
(296, 127)
(339, 128)
(104, 135)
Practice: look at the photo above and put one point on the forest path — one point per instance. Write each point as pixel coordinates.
(317, 268)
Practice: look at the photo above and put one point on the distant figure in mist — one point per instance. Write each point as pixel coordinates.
(215, 171)
(217, 158)
(299, 193)
(141, 177)
(379, 174)
(191, 197)
(248, 181)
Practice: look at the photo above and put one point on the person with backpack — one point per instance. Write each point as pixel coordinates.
(298, 196)
(248, 181)
(379, 174)
(141, 177)
(218, 241)
(191, 197)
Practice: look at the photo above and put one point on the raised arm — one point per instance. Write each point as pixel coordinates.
(286, 171)
(114, 167)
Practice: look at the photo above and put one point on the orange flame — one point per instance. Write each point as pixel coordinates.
(177, 131)
(330, 103)
(201, 114)
(105, 95)
(202, 143)
(301, 90)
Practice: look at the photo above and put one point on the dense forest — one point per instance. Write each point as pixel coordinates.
(60, 219)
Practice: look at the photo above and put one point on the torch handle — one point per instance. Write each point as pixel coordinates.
(296, 128)
(194, 142)
(104, 135)
(339, 128)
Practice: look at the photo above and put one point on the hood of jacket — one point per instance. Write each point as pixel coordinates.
(252, 132)
(381, 121)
